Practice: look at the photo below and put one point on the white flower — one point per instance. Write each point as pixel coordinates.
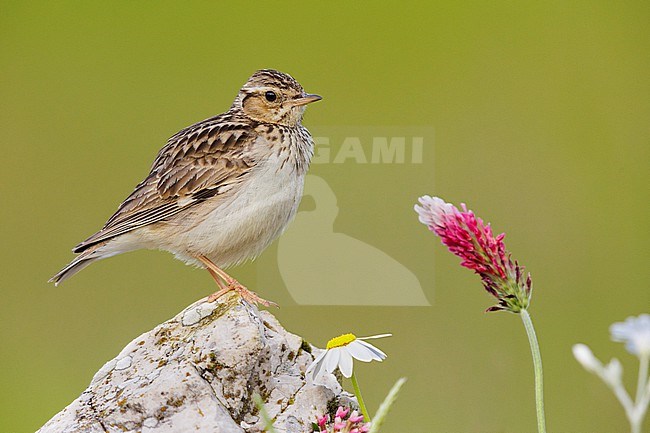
(341, 350)
(586, 358)
(613, 373)
(635, 333)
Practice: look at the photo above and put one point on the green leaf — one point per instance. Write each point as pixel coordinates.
(264, 414)
(386, 405)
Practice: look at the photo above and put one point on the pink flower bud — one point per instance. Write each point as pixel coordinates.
(322, 421)
(342, 412)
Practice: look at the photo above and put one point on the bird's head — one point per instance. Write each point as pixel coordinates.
(270, 96)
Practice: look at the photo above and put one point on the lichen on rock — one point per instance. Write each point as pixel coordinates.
(199, 371)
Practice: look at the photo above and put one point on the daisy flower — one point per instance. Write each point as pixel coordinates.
(340, 351)
(339, 354)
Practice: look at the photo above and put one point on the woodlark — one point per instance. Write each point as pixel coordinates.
(221, 190)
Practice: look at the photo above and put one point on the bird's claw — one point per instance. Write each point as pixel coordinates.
(246, 295)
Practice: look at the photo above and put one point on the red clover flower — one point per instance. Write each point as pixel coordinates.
(472, 240)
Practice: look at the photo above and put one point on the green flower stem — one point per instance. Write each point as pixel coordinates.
(537, 365)
(357, 392)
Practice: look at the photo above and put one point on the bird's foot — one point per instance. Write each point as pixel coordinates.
(246, 295)
(251, 297)
(222, 277)
(216, 295)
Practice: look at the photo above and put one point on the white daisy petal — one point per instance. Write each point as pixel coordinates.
(315, 367)
(359, 351)
(372, 337)
(320, 356)
(345, 362)
(332, 359)
(378, 355)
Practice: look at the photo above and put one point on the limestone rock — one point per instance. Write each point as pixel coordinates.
(198, 372)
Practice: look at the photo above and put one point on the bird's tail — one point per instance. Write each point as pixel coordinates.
(92, 254)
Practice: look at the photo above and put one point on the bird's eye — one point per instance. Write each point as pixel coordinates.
(270, 96)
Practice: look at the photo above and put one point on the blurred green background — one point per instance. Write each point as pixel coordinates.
(541, 114)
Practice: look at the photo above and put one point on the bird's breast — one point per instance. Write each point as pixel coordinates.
(240, 224)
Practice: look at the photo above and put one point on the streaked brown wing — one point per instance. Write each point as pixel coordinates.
(196, 164)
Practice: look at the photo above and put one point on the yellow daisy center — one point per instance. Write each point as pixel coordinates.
(341, 340)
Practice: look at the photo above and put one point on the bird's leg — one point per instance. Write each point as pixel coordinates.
(223, 289)
(220, 275)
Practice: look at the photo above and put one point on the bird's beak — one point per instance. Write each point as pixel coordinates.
(305, 99)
